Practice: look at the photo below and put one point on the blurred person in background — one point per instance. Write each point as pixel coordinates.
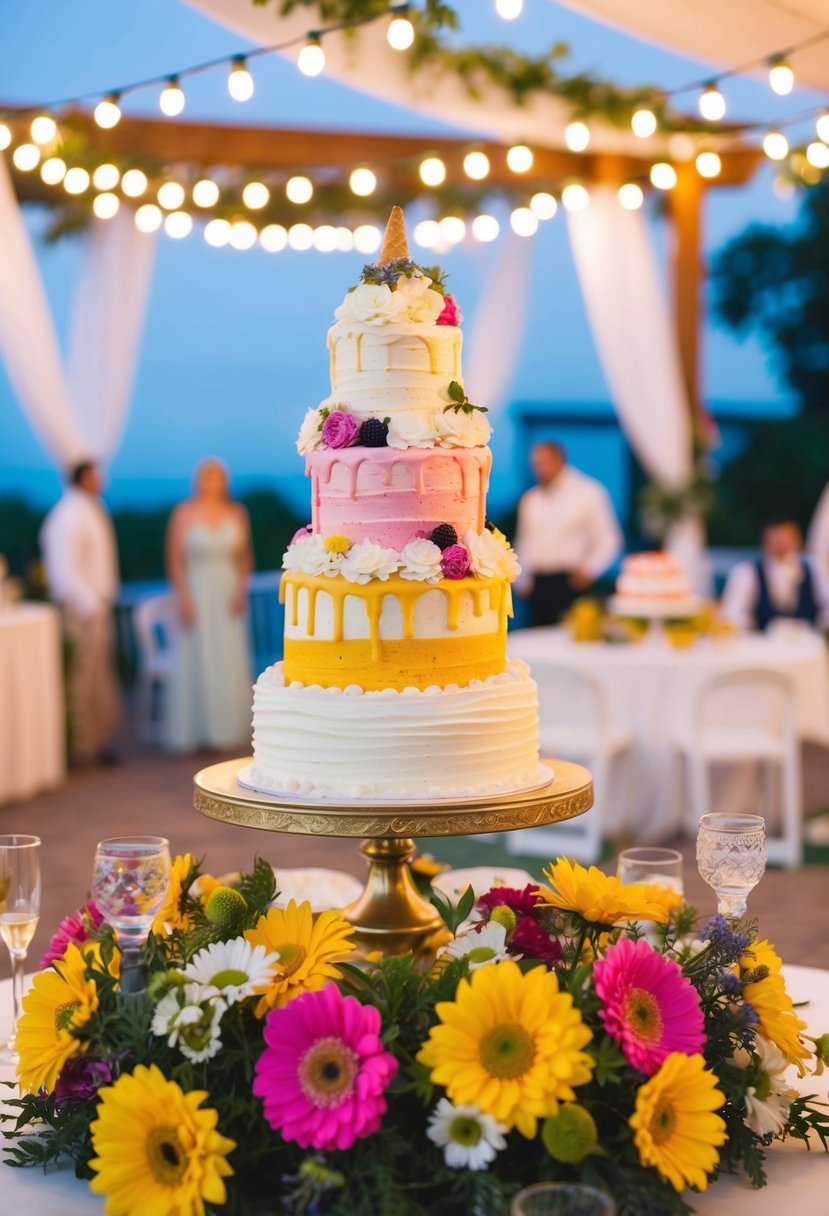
(566, 537)
(209, 561)
(77, 541)
(780, 584)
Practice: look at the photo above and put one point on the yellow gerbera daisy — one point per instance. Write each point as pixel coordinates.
(675, 1128)
(307, 946)
(665, 897)
(61, 999)
(169, 915)
(599, 897)
(511, 1044)
(776, 1014)
(158, 1154)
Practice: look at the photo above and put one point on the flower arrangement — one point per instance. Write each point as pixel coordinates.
(551, 1038)
(458, 425)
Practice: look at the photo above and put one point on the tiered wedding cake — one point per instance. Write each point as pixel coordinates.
(395, 680)
(653, 584)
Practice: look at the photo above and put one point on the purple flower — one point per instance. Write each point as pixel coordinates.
(451, 314)
(75, 928)
(454, 561)
(720, 934)
(80, 1079)
(339, 429)
(300, 534)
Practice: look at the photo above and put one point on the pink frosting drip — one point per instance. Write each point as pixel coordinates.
(392, 497)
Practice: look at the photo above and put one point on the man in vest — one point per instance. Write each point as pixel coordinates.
(781, 583)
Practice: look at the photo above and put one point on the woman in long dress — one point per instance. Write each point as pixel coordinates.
(209, 559)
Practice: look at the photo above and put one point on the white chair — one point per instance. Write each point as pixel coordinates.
(155, 623)
(749, 717)
(576, 724)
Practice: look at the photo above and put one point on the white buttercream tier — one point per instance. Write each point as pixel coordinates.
(386, 370)
(655, 607)
(434, 743)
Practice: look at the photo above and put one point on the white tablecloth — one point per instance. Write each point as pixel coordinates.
(798, 1179)
(32, 748)
(651, 690)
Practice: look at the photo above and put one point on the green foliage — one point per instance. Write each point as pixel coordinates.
(460, 401)
(401, 268)
(451, 916)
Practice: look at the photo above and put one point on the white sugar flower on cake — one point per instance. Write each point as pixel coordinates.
(420, 559)
(423, 304)
(411, 431)
(489, 554)
(366, 560)
(459, 429)
(309, 438)
(372, 304)
(311, 555)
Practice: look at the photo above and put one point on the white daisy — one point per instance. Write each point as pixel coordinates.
(767, 1101)
(469, 1139)
(190, 1022)
(488, 945)
(233, 970)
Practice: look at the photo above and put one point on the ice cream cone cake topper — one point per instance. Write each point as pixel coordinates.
(395, 244)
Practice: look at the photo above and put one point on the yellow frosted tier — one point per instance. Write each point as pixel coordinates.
(396, 633)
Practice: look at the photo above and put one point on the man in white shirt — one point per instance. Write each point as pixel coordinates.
(781, 584)
(567, 534)
(79, 551)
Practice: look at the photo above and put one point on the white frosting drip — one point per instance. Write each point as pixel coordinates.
(405, 367)
(431, 743)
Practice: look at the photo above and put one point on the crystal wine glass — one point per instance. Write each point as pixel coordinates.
(129, 883)
(731, 858)
(562, 1199)
(19, 912)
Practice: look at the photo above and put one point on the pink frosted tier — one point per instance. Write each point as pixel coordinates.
(391, 496)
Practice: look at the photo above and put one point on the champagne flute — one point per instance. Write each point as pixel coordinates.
(731, 858)
(129, 883)
(562, 1199)
(19, 913)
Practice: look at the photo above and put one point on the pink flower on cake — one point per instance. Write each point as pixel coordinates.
(458, 429)
(421, 559)
(454, 561)
(648, 1006)
(75, 928)
(366, 560)
(451, 314)
(339, 429)
(300, 534)
(309, 438)
(411, 431)
(310, 555)
(323, 1074)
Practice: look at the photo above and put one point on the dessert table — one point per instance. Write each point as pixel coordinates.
(650, 691)
(796, 1177)
(32, 745)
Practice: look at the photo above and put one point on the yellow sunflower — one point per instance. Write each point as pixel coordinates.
(598, 897)
(307, 946)
(511, 1044)
(157, 1153)
(665, 897)
(675, 1128)
(169, 915)
(776, 1014)
(61, 999)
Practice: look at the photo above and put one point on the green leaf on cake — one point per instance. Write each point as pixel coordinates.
(460, 401)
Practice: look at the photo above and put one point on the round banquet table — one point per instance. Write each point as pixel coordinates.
(651, 688)
(32, 728)
(796, 1178)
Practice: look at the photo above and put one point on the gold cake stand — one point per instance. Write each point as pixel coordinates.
(391, 917)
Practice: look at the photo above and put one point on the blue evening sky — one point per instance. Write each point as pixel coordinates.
(234, 346)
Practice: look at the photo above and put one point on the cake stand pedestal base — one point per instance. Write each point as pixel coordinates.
(390, 917)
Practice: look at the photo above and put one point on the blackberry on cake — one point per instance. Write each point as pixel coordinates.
(374, 433)
(443, 536)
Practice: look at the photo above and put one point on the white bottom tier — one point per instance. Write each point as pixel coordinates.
(435, 743)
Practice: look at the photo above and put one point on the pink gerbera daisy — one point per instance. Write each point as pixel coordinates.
(324, 1072)
(649, 1007)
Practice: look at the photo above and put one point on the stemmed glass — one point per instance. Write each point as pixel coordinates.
(562, 1199)
(19, 912)
(731, 858)
(129, 884)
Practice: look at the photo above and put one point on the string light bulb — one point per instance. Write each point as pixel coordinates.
(523, 221)
(362, 182)
(400, 34)
(26, 157)
(325, 238)
(476, 165)
(311, 59)
(44, 129)
(367, 238)
(170, 195)
(243, 234)
(148, 218)
(5, 137)
(106, 177)
(643, 123)
(178, 224)
(205, 193)
(217, 233)
(256, 195)
(817, 154)
(631, 196)
(543, 205)
(134, 183)
(76, 181)
(712, 103)
(775, 145)
(663, 175)
(452, 229)
(509, 10)
(577, 136)
(427, 234)
(106, 205)
(345, 239)
(574, 197)
(53, 171)
(239, 80)
(781, 77)
(432, 171)
(485, 228)
(273, 238)
(821, 126)
(708, 164)
(171, 99)
(299, 189)
(520, 158)
(107, 113)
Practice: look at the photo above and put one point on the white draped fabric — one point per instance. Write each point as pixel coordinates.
(79, 410)
(493, 346)
(632, 330)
